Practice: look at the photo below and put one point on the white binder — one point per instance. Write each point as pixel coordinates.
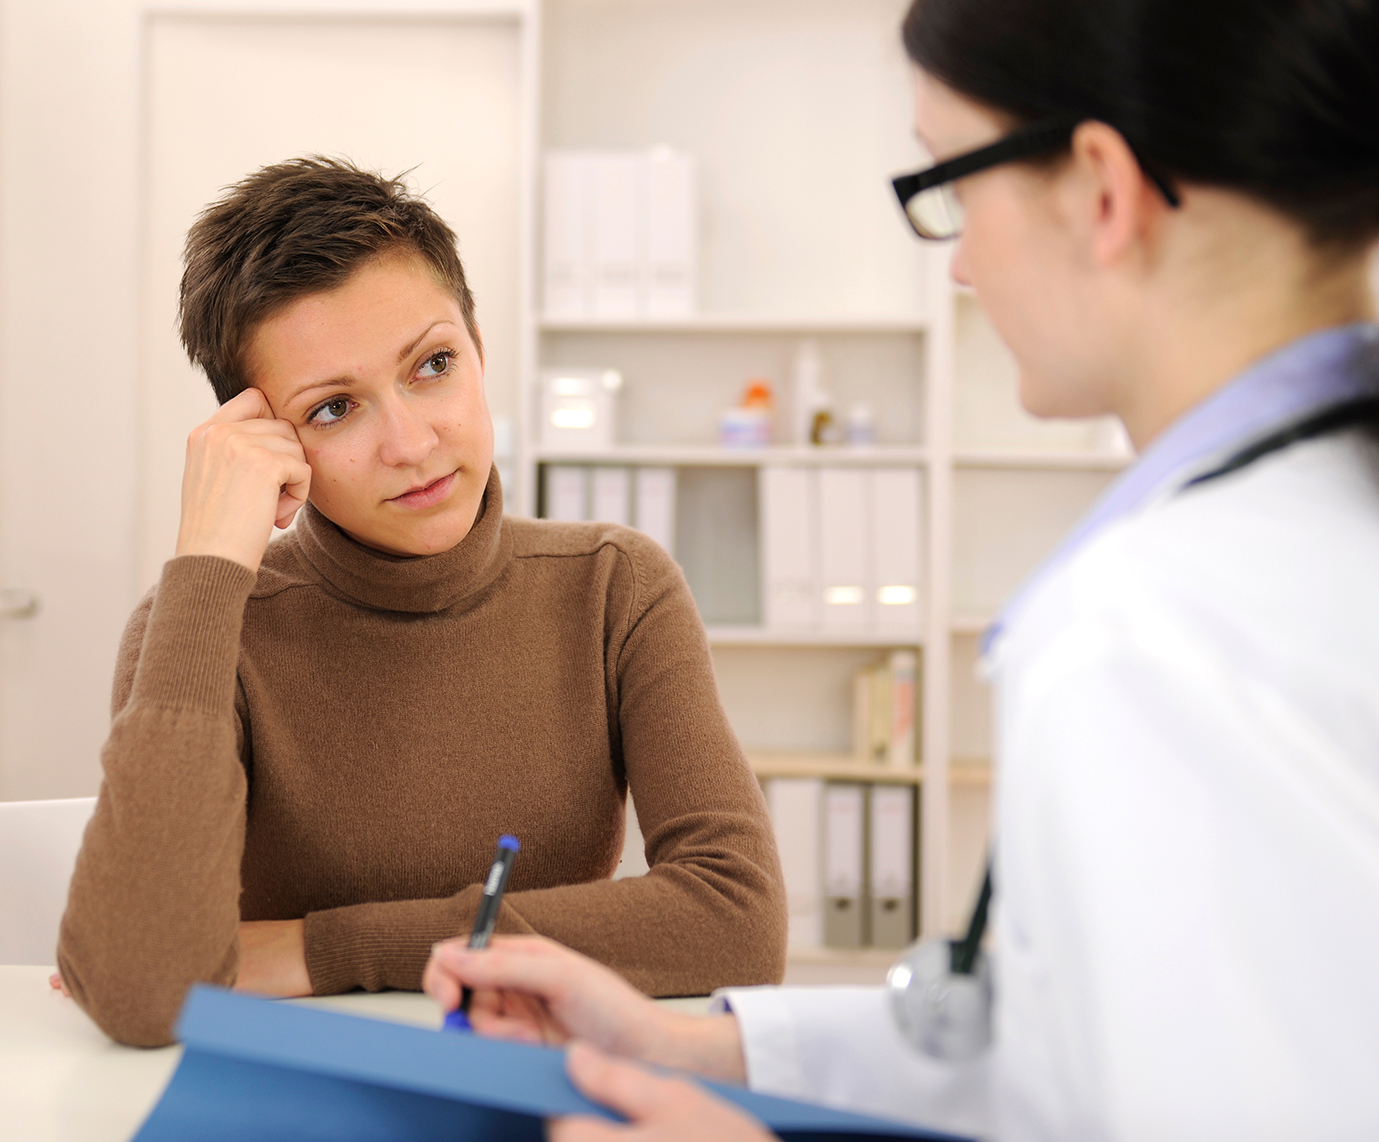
(567, 492)
(618, 213)
(845, 547)
(796, 807)
(567, 220)
(789, 560)
(612, 496)
(654, 512)
(891, 895)
(672, 239)
(844, 824)
(896, 512)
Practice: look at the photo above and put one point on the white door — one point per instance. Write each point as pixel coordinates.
(117, 124)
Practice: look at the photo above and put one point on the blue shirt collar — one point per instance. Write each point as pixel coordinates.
(1307, 374)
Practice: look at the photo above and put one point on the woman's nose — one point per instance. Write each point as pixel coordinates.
(407, 438)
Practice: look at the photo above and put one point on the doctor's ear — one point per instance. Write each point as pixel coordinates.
(1117, 203)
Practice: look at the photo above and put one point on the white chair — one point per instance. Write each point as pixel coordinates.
(38, 850)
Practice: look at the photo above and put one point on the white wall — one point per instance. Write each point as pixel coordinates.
(68, 393)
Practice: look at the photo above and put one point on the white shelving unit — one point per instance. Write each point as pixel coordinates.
(797, 114)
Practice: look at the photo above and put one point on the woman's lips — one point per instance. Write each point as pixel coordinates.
(425, 497)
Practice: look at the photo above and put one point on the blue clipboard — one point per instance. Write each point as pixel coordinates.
(274, 1072)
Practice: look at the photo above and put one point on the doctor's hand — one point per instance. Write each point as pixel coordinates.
(245, 472)
(535, 990)
(657, 1109)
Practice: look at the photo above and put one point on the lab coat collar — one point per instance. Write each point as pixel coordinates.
(1290, 384)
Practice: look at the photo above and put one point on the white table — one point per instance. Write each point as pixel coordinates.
(63, 1080)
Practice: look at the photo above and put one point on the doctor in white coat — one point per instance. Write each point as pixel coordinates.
(1166, 208)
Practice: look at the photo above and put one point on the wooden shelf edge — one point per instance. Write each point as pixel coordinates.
(739, 323)
(965, 773)
(833, 767)
(843, 957)
(709, 455)
(769, 636)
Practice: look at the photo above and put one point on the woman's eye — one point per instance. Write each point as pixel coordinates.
(333, 410)
(436, 365)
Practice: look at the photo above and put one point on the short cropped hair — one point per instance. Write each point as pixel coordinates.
(289, 230)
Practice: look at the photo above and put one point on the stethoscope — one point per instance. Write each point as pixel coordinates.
(940, 990)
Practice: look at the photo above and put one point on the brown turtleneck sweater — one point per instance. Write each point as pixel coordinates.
(344, 737)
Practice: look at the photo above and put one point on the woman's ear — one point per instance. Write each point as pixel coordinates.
(1120, 205)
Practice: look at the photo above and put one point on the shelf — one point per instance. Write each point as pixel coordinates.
(1028, 458)
(709, 455)
(843, 767)
(831, 767)
(737, 323)
(969, 773)
(768, 636)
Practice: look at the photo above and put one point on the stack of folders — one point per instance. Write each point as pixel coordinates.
(883, 711)
(621, 234)
(840, 548)
(848, 853)
(643, 498)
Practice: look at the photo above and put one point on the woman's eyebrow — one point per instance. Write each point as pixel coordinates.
(402, 354)
(333, 383)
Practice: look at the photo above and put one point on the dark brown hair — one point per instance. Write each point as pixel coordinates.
(1278, 99)
(296, 228)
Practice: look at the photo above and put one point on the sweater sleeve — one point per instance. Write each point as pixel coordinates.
(154, 900)
(711, 910)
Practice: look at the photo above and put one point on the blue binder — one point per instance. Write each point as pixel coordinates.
(274, 1072)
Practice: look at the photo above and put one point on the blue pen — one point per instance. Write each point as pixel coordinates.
(485, 919)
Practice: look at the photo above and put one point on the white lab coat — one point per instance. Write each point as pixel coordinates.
(1187, 911)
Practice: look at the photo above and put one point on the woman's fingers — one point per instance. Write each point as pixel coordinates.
(250, 404)
(272, 958)
(246, 471)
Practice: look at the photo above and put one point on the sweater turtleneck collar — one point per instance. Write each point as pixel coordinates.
(418, 584)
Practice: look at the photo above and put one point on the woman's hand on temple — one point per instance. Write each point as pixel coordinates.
(272, 958)
(538, 991)
(245, 472)
(657, 1109)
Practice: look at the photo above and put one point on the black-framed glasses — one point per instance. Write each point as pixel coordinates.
(927, 196)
